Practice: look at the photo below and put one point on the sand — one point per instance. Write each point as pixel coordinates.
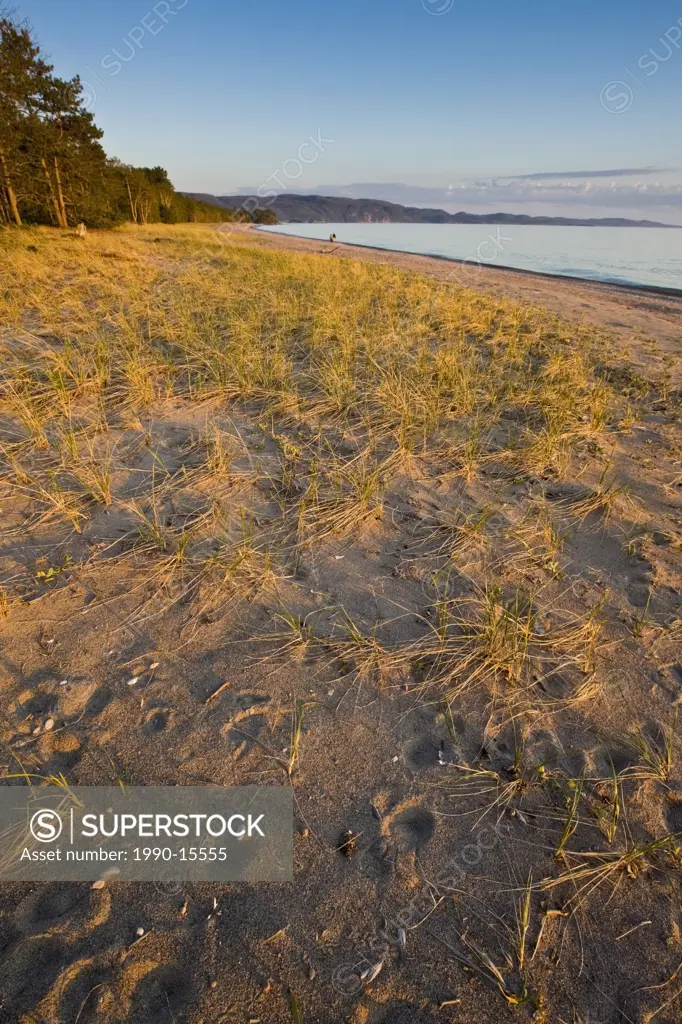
(456, 818)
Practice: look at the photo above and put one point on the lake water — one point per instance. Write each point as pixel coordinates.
(651, 256)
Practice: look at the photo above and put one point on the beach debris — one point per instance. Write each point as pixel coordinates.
(49, 725)
(183, 909)
(218, 691)
(99, 884)
(642, 924)
(132, 681)
(376, 812)
(449, 1002)
(372, 972)
(348, 843)
(154, 664)
(402, 937)
(139, 932)
(214, 984)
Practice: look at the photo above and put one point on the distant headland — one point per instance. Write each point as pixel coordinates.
(297, 209)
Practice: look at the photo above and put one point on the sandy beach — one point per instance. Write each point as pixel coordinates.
(414, 552)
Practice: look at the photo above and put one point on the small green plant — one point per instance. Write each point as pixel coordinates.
(54, 571)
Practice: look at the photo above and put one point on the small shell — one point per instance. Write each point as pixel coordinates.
(49, 725)
(371, 973)
(99, 884)
(402, 937)
(139, 932)
(131, 682)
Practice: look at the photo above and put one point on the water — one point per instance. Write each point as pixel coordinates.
(649, 256)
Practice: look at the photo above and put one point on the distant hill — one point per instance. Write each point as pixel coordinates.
(295, 209)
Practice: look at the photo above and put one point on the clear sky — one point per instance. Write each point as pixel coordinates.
(426, 93)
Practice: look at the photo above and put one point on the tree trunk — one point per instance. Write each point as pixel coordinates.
(53, 196)
(60, 194)
(11, 196)
(130, 200)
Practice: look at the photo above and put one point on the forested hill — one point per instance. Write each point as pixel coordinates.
(313, 209)
(53, 167)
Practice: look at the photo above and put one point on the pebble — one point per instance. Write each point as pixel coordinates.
(139, 932)
(99, 884)
(131, 682)
(49, 725)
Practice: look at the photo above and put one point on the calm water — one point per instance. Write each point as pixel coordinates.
(620, 255)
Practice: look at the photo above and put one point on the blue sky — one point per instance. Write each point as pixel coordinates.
(449, 99)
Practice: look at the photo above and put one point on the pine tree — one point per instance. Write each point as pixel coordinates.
(23, 74)
(53, 169)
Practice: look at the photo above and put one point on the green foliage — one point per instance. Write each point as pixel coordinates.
(53, 168)
(265, 217)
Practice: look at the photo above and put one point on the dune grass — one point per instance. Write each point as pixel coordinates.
(211, 422)
(351, 371)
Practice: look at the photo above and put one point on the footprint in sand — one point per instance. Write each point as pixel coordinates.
(155, 994)
(422, 754)
(59, 752)
(34, 703)
(28, 973)
(79, 993)
(410, 825)
(157, 720)
(68, 909)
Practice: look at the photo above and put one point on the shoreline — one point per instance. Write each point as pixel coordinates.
(619, 285)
